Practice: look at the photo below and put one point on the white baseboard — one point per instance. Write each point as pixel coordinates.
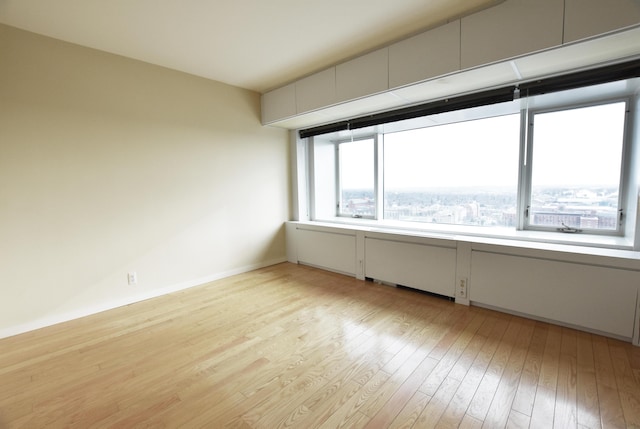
(65, 317)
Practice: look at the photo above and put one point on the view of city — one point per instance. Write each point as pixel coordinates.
(582, 208)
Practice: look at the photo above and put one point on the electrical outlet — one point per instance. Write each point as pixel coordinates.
(132, 278)
(462, 288)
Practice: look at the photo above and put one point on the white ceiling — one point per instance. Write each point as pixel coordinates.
(254, 44)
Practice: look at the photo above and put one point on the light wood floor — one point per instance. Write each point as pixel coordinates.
(292, 346)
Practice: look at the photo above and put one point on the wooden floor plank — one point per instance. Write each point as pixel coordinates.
(526, 393)
(410, 411)
(290, 346)
(469, 354)
(628, 387)
(467, 330)
(566, 409)
(432, 413)
(543, 413)
(611, 413)
(587, 388)
(356, 402)
(456, 412)
(470, 423)
(408, 389)
(486, 390)
(518, 420)
(500, 408)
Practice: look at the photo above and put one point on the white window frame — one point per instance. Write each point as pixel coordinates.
(626, 237)
(624, 179)
(376, 169)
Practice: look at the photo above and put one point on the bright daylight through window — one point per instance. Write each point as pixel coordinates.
(357, 178)
(552, 163)
(576, 167)
(464, 173)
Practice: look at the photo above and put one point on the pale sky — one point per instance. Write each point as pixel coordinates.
(486, 152)
(478, 153)
(590, 139)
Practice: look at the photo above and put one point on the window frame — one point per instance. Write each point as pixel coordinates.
(527, 166)
(626, 236)
(376, 174)
(472, 115)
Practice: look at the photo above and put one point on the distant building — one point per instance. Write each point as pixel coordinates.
(509, 218)
(361, 206)
(589, 222)
(576, 220)
(556, 219)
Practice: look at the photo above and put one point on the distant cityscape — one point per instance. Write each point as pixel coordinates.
(582, 208)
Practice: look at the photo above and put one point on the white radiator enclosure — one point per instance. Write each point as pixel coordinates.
(593, 297)
(427, 267)
(595, 290)
(334, 250)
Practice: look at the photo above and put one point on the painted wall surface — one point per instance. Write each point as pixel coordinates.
(110, 165)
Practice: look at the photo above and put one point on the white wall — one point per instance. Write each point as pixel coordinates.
(110, 165)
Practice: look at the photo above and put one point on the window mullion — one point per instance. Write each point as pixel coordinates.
(524, 173)
(379, 176)
(626, 175)
(338, 189)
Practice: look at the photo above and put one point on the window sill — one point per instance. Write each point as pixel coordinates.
(597, 245)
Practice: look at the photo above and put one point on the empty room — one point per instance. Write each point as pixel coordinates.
(354, 214)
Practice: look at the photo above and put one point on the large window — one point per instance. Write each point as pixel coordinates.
(560, 163)
(460, 173)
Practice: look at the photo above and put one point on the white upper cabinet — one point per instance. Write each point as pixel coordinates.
(362, 76)
(433, 53)
(585, 18)
(279, 104)
(512, 28)
(316, 91)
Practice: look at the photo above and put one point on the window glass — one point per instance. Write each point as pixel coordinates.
(463, 173)
(477, 171)
(576, 167)
(357, 178)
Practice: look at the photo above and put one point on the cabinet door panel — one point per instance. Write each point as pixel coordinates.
(365, 75)
(585, 18)
(598, 298)
(335, 252)
(512, 28)
(278, 104)
(316, 91)
(430, 54)
(423, 267)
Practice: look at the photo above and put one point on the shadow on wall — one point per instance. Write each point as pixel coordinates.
(272, 247)
(109, 164)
